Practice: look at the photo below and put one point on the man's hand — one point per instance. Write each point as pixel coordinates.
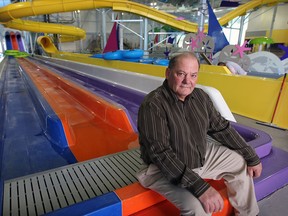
(254, 171)
(211, 201)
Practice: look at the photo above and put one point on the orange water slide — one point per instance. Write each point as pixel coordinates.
(93, 126)
(138, 201)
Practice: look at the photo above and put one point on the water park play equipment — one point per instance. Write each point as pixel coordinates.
(261, 42)
(123, 83)
(249, 102)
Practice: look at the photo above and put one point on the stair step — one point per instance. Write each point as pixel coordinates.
(274, 175)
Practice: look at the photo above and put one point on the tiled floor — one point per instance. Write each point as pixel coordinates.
(276, 203)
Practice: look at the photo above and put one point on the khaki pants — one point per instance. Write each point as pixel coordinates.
(220, 163)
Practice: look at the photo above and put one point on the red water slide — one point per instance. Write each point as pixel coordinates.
(14, 41)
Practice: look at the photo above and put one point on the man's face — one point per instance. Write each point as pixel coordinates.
(183, 77)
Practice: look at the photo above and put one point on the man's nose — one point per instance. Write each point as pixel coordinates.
(186, 79)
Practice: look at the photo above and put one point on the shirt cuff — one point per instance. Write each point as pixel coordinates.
(253, 161)
(198, 187)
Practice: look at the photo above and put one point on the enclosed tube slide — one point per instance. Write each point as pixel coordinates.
(8, 41)
(47, 45)
(14, 41)
(20, 42)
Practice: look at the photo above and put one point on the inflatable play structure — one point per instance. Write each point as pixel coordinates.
(135, 55)
(75, 117)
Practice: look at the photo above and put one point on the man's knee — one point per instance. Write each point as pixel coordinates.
(238, 164)
(149, 175)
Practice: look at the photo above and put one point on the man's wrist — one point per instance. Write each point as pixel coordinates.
(198, 187)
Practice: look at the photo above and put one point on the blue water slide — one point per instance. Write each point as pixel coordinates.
(8, 41)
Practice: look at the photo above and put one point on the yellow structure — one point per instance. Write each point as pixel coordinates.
(253, 97)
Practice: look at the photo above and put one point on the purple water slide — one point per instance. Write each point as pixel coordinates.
(20, 42)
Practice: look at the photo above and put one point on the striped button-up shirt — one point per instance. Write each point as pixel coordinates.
(173, 135)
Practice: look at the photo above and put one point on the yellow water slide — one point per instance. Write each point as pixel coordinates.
(243, 9)
(10, 15)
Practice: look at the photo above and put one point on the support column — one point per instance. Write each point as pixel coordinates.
(104, 27)
(141, 34)
(273, 20)
(146, 53)
(79, 25)
(121, 33)
(202, 11)
(241, 30)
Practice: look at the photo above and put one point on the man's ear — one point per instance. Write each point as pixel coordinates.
(167, 73)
